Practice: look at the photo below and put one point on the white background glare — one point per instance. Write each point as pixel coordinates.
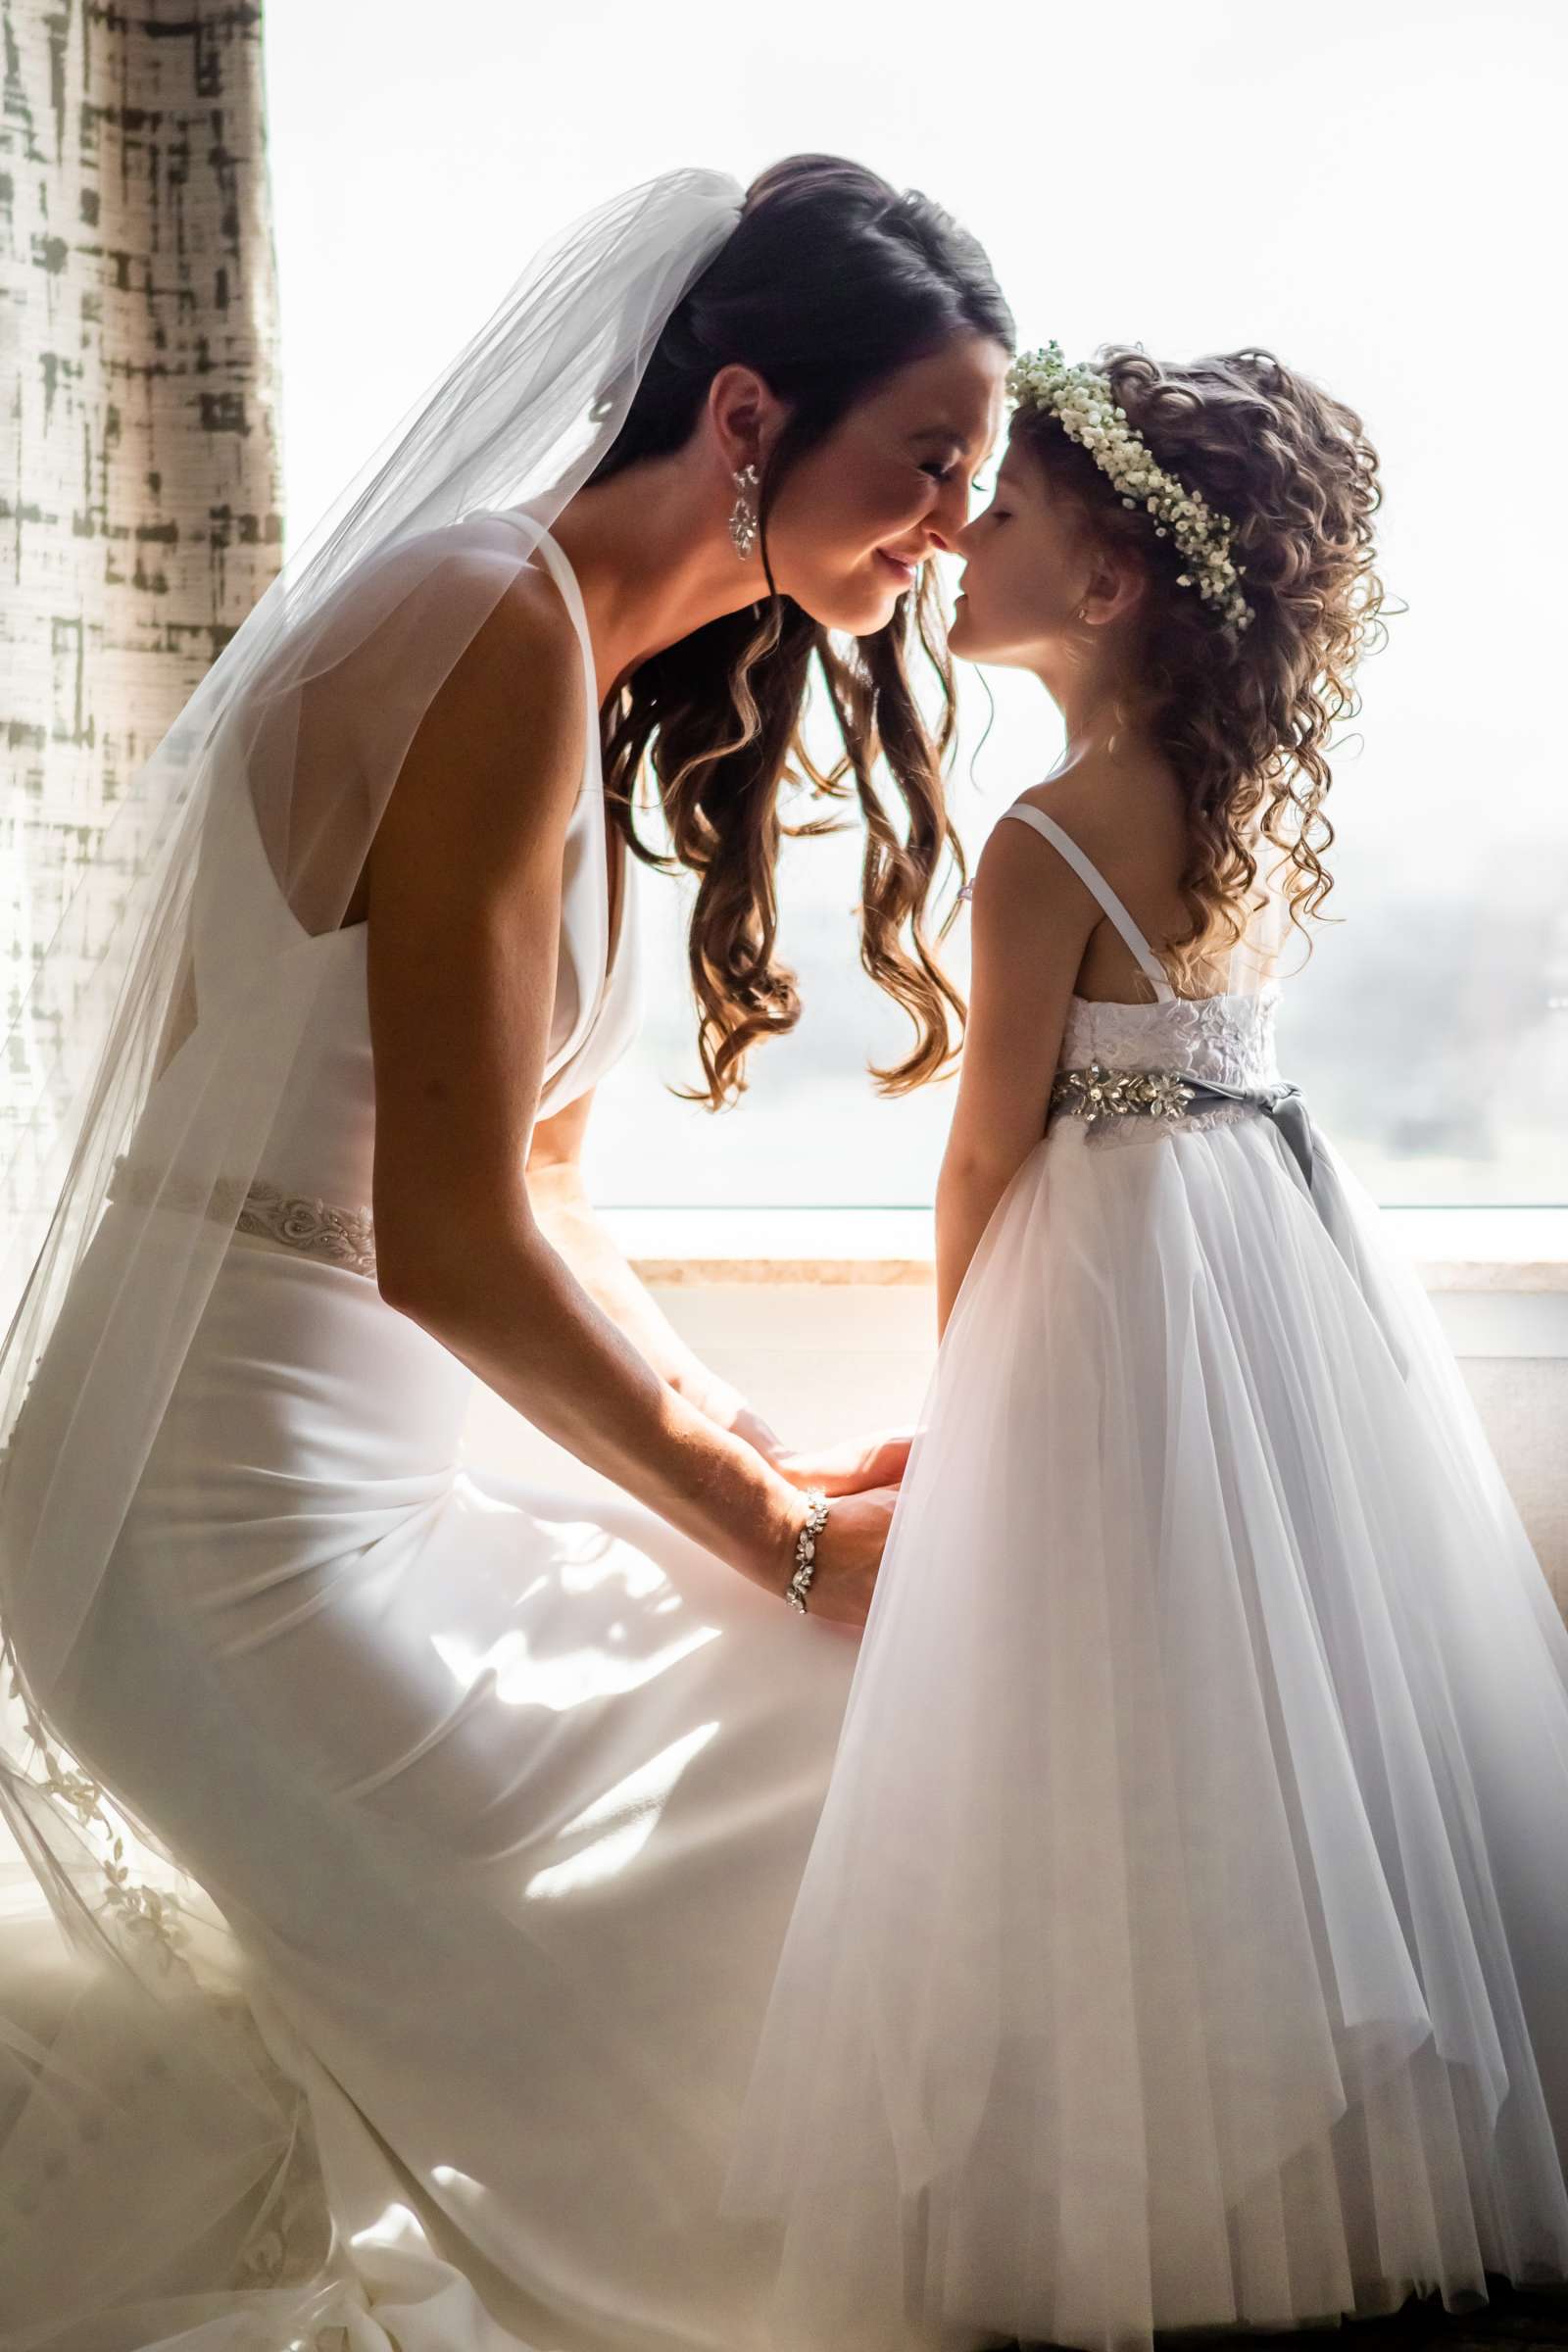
(1373, 194)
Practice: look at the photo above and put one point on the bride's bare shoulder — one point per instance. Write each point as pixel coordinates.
(514, 699)
(447, 632)
(492, 770)
(537, 614)
(525, 641)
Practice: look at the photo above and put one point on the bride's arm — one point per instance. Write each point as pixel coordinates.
(464, 914)
(568, 1221)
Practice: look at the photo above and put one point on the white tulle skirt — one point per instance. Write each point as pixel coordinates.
(1184, 1938)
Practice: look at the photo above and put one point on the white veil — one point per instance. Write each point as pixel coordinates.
(139, 2118)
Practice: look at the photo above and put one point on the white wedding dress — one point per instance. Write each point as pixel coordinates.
(506, 1800)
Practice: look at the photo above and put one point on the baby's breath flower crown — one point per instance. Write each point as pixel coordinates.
(1084, 405)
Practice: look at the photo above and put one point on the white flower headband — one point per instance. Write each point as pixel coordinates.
(1084, 405)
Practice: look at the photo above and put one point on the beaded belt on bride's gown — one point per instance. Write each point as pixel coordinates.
(341, 1237)
(346, 1237)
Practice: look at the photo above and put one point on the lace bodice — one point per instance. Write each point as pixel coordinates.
(1226, 1039)
(1230, 1038)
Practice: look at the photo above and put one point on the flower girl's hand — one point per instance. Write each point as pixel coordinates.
(849, 1552)
(850, 1467)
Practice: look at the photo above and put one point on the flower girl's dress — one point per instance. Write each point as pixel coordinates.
(1185, 1935)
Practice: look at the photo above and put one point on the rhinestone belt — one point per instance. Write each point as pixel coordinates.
(1095, 1092)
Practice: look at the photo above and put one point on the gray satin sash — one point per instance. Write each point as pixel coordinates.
(1285, 1106)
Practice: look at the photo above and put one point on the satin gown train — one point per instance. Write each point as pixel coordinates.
(505, 1797)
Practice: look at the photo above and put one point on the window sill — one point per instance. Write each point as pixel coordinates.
(827, 1320)
(1520, 1251)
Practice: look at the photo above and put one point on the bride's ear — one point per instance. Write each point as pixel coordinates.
(745, 416)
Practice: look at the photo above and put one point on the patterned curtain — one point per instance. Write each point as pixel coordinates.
(140, 479)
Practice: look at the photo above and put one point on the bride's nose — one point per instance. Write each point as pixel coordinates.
(949, 519)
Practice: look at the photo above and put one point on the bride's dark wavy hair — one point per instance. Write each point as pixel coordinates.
(831, 282)
(1244, 719)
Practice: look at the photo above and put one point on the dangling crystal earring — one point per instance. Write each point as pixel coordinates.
(743, 514)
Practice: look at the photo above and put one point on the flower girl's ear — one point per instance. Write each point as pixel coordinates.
(1117, 586)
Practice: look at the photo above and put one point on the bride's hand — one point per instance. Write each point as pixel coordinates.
(846, 1468)
(849, 1552)
(850, 1467)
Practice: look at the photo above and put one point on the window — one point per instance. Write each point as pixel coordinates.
(1374, 200)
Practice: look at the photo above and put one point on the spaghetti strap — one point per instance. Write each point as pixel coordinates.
(1093, 879)
(559, 568)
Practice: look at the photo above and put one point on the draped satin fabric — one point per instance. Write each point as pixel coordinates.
(500, 1800)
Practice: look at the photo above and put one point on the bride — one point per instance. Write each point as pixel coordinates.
(401, 1819)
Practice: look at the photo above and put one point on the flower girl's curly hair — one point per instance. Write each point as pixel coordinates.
(830, 282)
(1245, 717)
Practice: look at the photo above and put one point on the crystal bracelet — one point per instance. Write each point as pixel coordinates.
(806, 1550)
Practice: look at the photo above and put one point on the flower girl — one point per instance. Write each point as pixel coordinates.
(1184, 1938)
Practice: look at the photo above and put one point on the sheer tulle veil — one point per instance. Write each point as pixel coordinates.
(122, 2028)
